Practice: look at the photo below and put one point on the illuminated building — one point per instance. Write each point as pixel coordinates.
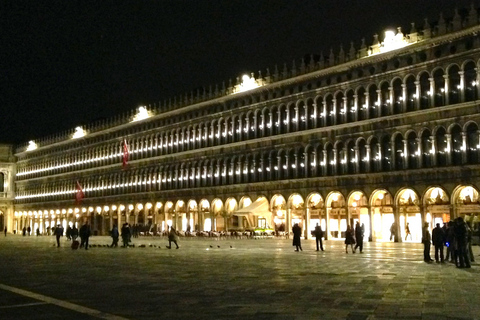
(383, 133)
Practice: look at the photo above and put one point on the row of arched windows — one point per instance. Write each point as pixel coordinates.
(426, 148)
(440, 87)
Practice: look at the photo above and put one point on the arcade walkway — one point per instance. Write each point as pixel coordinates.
(241, 279)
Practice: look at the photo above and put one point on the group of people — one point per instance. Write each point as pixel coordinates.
(352, 237)
(456, 235)
(127, 232)
(72, 233)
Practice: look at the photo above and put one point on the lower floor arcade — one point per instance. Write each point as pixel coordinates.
(386, 215)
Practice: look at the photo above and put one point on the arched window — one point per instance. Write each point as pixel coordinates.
(441, 147)
(411, 93)
(439, 94)
(375, 155)
(457, 145)
(330, 109)
(454, 87)
(362, 106)
(397, 96)
(471, 84)
(362, 156)
(386, 152)
(351, 158)
(373, 103)
(472, 144)
(413, 154)
(399, 152)
(427, 156)
(350, 107)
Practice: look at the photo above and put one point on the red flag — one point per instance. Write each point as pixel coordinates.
(79, 194)
(125, 153)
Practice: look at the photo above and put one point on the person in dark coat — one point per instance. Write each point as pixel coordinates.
(461, 235)
(58, 234)
(426, 240)
(24, 231)
(172, 237)
(438, 238)
(450, 241)
(29, 230)
(115, 236)
(349, 239)
(297, 233)
(68, 233)
(5, 231)
(359, 233)
(85, 232)
(126, 234)
(318, 233)
(393, 231)
(469, 242)
(74, 233)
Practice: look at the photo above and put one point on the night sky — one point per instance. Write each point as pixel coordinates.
(68, 63)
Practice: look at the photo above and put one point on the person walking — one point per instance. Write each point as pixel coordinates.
(74, 233)
(438, 238)
(125, 234)
(29, 230)
(85, 232)
(393, 231)
(407, 232)
(115, 236)
(5, 231)
(318, 233)
(297, 233)
(58, 234)
(24, 231)
(349, 239)
(359, 234)
(68, 233)
(426, 240)
(172, 237)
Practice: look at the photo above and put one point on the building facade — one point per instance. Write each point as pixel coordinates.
(382, 134)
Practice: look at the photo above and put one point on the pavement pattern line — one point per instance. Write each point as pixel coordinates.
(23, 305)
(61, 303)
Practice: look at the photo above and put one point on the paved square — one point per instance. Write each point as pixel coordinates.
(230, 279)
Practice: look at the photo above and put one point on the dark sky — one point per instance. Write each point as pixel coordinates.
(67, 63)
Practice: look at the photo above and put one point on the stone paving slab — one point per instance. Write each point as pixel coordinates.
(235, 279)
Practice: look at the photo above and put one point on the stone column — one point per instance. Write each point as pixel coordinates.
(446, 93)
(433, 145)
(355, 107)
(370, 214)
(403, 98)
(398, 237)
(334, 105)
(392, 103)
(369, 157)
(357, 159)
(405, 154)
(378, 104)
(416, 98)
(367, 105)
(464, 147)
(288, 222)
(307, 223)
(449, 148)
(461, 91)
(431, 100)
